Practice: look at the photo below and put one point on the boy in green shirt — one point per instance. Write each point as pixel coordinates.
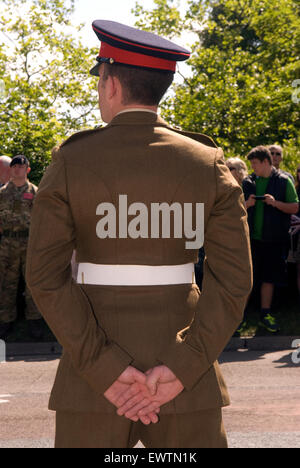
(271, 199)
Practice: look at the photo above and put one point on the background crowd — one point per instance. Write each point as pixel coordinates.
(272, 202)
(271, 199)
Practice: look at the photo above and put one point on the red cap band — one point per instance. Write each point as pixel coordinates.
(133, 58)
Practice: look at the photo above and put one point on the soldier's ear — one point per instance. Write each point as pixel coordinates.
(113, 86)
(28, 170)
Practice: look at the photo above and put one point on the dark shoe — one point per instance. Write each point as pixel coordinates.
(269, 322)
(35, 329)
(5, 329)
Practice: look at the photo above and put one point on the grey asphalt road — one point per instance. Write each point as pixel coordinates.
(264, 388)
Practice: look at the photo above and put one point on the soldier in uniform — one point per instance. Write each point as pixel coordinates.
(16, 202)
(140, 341)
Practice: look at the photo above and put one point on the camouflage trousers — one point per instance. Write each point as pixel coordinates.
(12, 265)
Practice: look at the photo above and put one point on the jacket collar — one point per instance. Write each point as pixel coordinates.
(11, 185)
(138, 118)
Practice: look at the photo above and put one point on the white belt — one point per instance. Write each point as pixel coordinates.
(135, 275)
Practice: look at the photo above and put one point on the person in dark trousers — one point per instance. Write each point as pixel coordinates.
(294, 254)
(271, 199)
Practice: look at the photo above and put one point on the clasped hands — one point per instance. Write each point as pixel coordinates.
(139, 396)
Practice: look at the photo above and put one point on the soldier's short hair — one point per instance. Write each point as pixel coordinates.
(19, 159)
(140, 86)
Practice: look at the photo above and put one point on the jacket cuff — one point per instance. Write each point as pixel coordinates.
(112, 363)
(187, 363)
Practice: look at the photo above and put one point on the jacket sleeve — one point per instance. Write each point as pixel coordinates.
(226, 286)
(62, 302)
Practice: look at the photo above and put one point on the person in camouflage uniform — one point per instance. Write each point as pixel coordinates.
(16, 202)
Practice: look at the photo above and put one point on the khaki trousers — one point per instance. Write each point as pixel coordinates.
(12, 264)
(202, 429)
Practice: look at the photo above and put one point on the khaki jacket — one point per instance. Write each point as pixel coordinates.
(104, 329)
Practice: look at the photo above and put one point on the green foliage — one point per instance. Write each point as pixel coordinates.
(166, 19)
(291, 149)
(46, 90)
(245, 58)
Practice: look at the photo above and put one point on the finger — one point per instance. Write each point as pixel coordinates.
(129, 404)
(148, 409)
(150, 418)
(152, 380)
(134, 418)
(145, 420)
(135, 409)
(153, 417)
(127, 395)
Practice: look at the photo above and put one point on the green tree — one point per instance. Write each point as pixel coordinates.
(46, 92)
(245, 58)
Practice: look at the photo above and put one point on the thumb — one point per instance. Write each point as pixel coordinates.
(152, 381)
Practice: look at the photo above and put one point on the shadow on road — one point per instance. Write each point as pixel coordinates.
(51, 357)
(244, 355)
